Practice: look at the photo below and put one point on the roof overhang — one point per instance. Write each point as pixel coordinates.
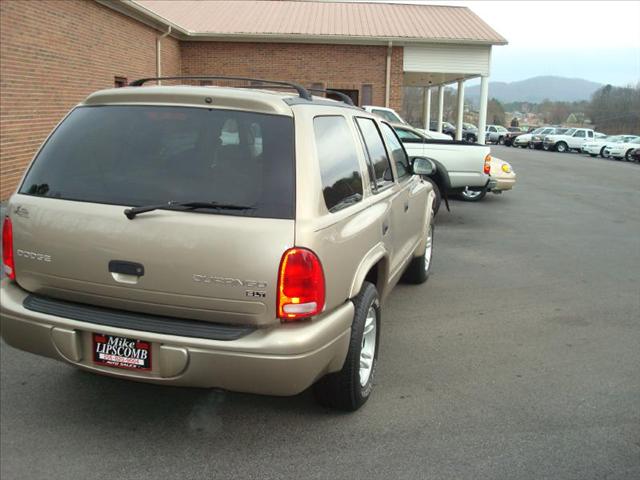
(152, 19)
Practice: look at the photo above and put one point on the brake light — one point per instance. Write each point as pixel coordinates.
(301, 286)
(487, 164)
(7, 249)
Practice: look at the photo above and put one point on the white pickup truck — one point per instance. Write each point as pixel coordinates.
(572, 139)
(458, 164)
(390, 115)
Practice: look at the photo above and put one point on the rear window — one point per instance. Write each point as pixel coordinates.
(142, 155)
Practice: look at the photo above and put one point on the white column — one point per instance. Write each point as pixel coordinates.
(484, 99)
(460, 110)
(440, 107)
(426, 114)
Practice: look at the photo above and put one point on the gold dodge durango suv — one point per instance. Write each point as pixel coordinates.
(239, 238)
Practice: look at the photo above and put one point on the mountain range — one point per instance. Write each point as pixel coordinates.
(537, 89)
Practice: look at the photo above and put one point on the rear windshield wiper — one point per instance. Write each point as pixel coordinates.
(132, 212)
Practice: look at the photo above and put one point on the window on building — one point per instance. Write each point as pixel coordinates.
(376, 153)
(397, 152)
(367, 94)
(338, 159)
(120, 82)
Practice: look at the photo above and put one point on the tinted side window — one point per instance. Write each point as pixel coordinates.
(398, 154)
(338, 158)
(376, 153)
(579, 134)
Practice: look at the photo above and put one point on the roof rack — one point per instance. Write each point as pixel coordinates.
(303, 92)
(344, 97)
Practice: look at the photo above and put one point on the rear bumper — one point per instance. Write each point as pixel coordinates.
(501, 184)
(281, 360)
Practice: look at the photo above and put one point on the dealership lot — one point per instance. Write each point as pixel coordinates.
(518, 359)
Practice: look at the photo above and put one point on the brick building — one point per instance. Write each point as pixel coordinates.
(55, 52)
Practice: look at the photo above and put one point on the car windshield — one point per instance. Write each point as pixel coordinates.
(387, 115)
(150, 155)
(405, 134)
(571, 131)
(501, 129)
(537, 130)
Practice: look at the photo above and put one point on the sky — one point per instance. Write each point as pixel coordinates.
(594, 40)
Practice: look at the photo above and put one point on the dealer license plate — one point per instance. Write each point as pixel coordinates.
(121, 352)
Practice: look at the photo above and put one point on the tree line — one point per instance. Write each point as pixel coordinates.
(610, 110)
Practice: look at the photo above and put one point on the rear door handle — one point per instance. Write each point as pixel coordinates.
(406, 205)
(385, 227)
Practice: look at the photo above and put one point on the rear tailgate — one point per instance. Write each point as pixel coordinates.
(196, 265)
(463, 161)
(220, 264)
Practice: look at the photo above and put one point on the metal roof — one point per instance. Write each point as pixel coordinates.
(306, 21)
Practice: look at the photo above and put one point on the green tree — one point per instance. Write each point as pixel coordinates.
(495, 112)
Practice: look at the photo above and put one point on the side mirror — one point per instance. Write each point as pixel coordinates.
(423, 166)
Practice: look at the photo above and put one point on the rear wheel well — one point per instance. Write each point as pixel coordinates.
(375, 275)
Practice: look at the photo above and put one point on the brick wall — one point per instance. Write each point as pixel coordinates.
(54, 53)
(336, 66)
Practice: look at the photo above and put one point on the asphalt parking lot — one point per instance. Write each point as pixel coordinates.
(519, 358)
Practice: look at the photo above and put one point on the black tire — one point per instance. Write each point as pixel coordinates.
(501, 140)
(602, 152)
(481, 193)
(627, 156)
(420, 267)
(438, 200)
(342, 390)
(546, 148)
(562, 147)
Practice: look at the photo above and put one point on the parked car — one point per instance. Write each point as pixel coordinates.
(537, 141)
(131, 252)
(622, 150)
(389, 114)
(495, 134)
(447, 128)
(503, 178)
(597, 146)
(524, 139)
(572, 139)
(469, 132)
(458, 164)
(512, 134)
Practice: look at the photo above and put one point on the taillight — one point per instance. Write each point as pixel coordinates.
(487, 164)
(300, 285)
(7, 249)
